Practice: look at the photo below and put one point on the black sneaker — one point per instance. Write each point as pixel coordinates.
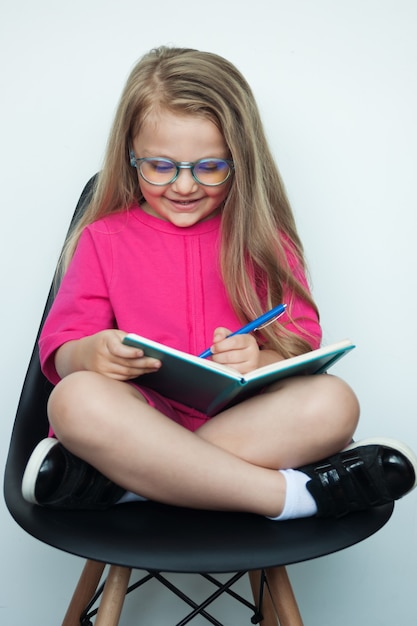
(367, 473)
(56, 478)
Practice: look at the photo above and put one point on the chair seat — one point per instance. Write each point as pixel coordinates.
(151, 536)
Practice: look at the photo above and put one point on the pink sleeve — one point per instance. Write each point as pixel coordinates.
(81, 306)
(302, 318)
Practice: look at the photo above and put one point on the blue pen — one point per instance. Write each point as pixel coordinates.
(264, 320)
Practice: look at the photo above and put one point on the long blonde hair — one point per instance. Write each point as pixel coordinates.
(257, 220)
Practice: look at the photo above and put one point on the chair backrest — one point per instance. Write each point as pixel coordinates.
(31, 424)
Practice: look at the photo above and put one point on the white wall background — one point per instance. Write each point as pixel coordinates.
(337, 86)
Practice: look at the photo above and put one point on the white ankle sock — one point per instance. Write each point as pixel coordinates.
(298, 500)
(129, 496)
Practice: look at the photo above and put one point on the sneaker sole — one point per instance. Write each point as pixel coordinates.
(32, 469)
(389, 443)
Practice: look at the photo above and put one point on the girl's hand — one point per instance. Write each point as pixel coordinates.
(241, 352)
(104, 353)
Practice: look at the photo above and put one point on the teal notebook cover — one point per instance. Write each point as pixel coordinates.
(210, 387)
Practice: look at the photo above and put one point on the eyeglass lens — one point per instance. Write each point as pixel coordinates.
(205, 171)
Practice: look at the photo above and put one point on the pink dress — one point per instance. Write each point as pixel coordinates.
(143, 275)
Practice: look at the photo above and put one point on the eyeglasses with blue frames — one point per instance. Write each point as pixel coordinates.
(160, 171)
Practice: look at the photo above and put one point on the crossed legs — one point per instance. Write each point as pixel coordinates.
(229, 463)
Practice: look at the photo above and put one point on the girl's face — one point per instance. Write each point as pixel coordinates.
(181, 138)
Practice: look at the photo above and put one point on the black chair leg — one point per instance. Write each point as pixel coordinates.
(262, 599)
(278, 604)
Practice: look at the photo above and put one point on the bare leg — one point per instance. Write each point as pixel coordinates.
(295, 422)
(222, 466)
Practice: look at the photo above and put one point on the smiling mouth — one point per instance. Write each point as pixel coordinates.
(185, 203)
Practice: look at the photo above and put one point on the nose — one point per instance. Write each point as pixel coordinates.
(185, 183)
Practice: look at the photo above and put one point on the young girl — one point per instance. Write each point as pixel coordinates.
(188, 236)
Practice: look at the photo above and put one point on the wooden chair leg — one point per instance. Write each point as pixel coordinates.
(267, 609)
(113, 596)
(282, 597)
(86, 587)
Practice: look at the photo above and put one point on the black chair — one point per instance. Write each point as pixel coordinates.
(158, 539)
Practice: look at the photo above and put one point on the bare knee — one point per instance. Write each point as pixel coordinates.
(85, 408)
(338, 407)
(324, 410)
(74, 406)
